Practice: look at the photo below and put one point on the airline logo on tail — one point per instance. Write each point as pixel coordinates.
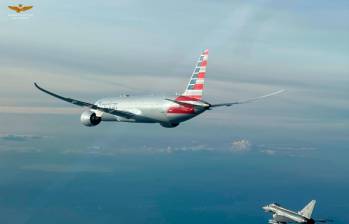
(196, 83)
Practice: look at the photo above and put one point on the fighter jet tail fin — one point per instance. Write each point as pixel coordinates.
(308, 209)
(195, 86)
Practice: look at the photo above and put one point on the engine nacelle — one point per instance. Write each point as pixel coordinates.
(169, 125)
(89, 118)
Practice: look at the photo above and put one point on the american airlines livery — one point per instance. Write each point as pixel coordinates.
(168, 112)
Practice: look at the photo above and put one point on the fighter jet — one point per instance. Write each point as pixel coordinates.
(282, 215)
(169, 112)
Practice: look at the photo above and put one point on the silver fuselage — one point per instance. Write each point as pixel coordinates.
(283, 215)
(150, 109)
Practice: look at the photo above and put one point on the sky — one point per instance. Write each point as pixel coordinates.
(221, 166)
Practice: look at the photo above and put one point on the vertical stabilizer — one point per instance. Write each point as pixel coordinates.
(308, 209)
(195, 86)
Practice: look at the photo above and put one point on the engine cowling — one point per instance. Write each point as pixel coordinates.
(89, 118)
(169, 125)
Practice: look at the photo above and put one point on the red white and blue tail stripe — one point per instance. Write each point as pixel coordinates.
(195, 86)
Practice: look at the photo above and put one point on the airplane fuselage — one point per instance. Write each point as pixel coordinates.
(148, 110)
(283, 215)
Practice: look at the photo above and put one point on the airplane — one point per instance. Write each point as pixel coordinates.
(168, 112)
(282, 215)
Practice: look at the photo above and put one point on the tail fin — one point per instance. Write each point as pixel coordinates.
(195, 86)
(308, 209)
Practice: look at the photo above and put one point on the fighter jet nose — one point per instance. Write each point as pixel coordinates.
(265, 208)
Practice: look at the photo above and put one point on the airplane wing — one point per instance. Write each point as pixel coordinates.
(248, 100)
(120, 113)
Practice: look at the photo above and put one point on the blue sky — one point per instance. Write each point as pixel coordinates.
(90, 50)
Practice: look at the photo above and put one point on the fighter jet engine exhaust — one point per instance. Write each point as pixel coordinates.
(311, 221)
(89, 119)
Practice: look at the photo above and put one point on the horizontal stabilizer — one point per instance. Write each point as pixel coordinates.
(197, 103)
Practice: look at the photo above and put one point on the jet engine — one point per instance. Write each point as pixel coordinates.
(89, 118)
(169, 125)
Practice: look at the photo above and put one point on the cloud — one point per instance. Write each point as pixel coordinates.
(192, 148)
(269, 151)
(293, 151)
(97, 150)
(38, 110)
(93, 150)
(20, 138)
(175, 149)
(241, 145)
(19, 148)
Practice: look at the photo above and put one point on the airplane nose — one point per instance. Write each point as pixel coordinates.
(265, 208)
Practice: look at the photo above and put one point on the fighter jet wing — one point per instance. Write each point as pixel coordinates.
(120, 113)
(247, 100)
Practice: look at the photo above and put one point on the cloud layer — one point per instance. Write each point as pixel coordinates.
(241, 145)
(20, 138)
